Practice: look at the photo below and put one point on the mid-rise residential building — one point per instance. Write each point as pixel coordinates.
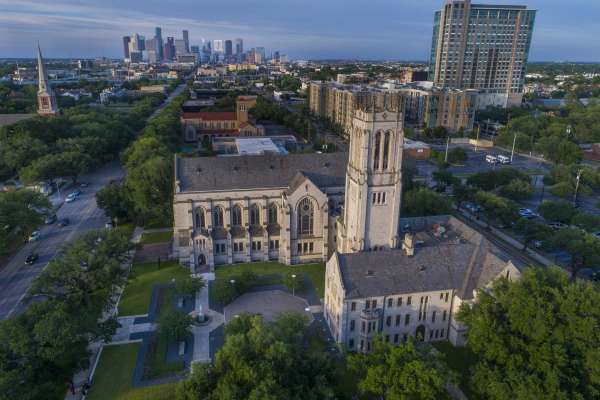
(483, 47)
(424, 106)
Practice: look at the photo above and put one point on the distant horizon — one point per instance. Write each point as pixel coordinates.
(341, 29)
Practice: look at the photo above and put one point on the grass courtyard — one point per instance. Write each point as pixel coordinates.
(114, 374)
(270, 273)
(143, 277)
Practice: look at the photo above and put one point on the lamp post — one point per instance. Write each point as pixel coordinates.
(293, 284)
(577, 187)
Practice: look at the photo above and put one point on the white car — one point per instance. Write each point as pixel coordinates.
(71, 198)
(35, 235)
(491, 159)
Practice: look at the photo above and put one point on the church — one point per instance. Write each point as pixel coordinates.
(295, 208)
(386, 276)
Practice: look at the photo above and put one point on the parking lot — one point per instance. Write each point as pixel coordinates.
(476, 162)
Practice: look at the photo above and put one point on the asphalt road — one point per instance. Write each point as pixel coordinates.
(84, 215)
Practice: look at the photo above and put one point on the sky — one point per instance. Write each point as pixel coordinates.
(566, 30)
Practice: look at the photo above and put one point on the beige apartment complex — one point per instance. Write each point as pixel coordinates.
(422, 107)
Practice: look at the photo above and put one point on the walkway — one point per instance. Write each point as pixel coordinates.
(202, 337)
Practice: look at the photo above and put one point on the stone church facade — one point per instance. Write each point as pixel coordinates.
(289, 208)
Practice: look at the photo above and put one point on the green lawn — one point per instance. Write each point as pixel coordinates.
(143, 277)
(156, 237)
(156, 365)
(460, 360)
(113, 377)
(316, 272)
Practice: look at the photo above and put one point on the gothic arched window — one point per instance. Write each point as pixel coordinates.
(200, 221)
(218, 216)
(305, 217)
(254, 215)
(272, 214)
(376, 152)
(386, 149)
(236, 216)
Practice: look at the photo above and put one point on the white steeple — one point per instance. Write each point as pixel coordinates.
(46, 99)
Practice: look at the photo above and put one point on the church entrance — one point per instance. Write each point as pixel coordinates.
(420, 333)
(201, 260)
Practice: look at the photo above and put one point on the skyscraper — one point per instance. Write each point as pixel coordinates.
(186, 40)
(483, 47)
(228, 48)
(218, 46)
(239, 46)
(126, 41)
(169, 49)
(159, 42)
(45, 95)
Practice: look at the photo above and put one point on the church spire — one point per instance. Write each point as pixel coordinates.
(46, 99)
(42, 76)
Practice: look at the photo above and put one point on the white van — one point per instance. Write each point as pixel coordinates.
(491, 159)
(504, 159)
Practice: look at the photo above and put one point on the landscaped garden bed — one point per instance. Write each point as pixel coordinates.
(113, 378)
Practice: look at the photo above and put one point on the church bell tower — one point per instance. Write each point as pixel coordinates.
(46, 99)
(373, 180)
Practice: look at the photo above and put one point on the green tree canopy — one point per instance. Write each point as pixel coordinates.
(21, 211)
(422, 202)
(400, 372)
(262, 361)
(537, 338)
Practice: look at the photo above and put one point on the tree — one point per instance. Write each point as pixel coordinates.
(189, 285)
(587, 222)
(517, 189)
(21, 211)
(262, 361)
(498, 209)
(536, 338)
(532, 231)
(174, 326)
(422, 202)
(559, 150)
(557, 211)
(583, 247)
(458, 155)
(113, 199)
(444, 178)
(399, 372)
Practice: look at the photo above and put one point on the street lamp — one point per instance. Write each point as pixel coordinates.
(293, 284)
(577, 187)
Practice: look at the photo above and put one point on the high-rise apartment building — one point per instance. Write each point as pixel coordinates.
(482, 47)
(186, 40)
(180, 48)
(126, 42)
(239, 46)
(169, 49)
(228, 47)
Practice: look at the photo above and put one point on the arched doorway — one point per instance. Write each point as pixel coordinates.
(420, 333)
(201, 260)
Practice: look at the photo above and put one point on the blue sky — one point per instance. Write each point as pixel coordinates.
(367, 29)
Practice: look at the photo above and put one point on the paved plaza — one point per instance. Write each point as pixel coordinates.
(269, 304)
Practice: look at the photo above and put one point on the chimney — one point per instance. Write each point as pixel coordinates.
(408, 245)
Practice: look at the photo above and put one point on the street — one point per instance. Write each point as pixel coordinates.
(84, 215)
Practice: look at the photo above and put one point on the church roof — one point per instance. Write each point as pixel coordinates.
(259, 171)
(461, 260)
(211, 115)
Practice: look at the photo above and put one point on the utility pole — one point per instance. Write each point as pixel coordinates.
(577, 187)
(512, 153)
(447, 145)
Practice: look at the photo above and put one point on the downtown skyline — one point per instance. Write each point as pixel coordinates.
(401, 30)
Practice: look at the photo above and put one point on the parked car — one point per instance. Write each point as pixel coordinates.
(64, 222)
(491, 159)
(31, 258)
(108, 225)
(50, 219)
(527, 213)
(76, 192)
(473, 208)
(35, 235)
(84, 184)
(503, 159)
(557, 225)
(71, 198)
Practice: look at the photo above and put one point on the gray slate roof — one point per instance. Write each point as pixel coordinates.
(463, 266)
(260, 171)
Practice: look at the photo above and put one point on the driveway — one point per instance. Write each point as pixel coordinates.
(269, 304)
